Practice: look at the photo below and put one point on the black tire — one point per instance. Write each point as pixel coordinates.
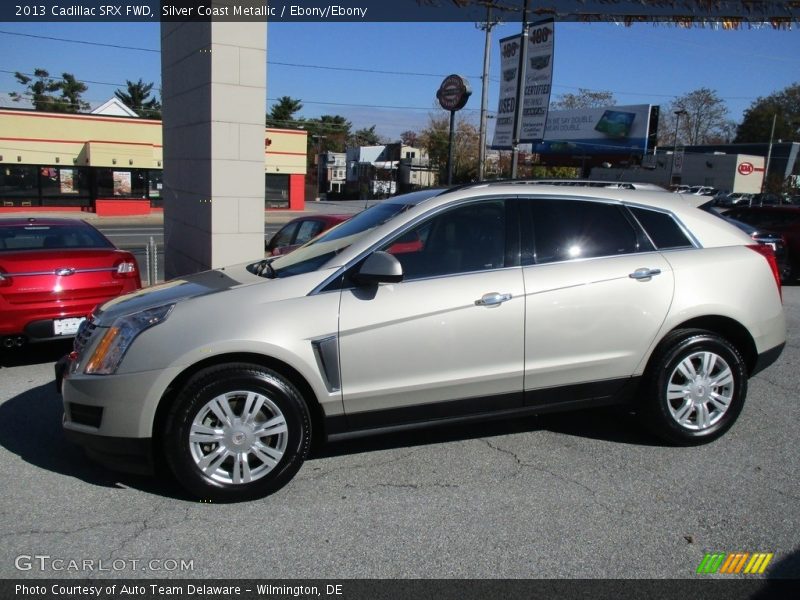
(694, 417)
(272, 399)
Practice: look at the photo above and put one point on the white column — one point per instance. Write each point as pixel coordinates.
(214, 101)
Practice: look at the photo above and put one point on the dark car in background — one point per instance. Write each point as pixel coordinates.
(299, 231)
(784, 220)
(772, 239)
(53, 272)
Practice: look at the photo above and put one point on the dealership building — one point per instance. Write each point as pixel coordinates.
(112, 163)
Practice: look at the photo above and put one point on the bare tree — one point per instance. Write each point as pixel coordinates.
(585, 98)
(703, 120)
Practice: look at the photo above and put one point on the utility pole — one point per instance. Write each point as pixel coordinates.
(523, 59)
(678, 114)
(769, 154)
(487, 55)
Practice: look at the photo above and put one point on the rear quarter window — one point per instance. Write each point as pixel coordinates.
(662, 228)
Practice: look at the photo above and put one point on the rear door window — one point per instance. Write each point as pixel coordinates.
(573, 229)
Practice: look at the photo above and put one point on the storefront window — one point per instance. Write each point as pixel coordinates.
(64, 186)
(19, 185)
(121, 183)
(276, 191)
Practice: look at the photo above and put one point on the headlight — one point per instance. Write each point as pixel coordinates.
(114, 344)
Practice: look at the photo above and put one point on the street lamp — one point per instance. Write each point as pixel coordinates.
(678, 114)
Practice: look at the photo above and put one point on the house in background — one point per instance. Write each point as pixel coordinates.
(380, 171)
(332, 172)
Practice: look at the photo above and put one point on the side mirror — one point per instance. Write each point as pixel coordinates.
(380, 267)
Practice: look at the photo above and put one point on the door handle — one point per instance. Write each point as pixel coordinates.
(644, 273)
(492, 299)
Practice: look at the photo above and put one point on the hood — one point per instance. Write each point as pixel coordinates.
(177, 290)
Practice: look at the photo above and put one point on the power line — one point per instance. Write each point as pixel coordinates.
(320, 102)
(269, 62)
(86, 42)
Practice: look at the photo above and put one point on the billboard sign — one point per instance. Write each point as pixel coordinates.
(537, 77)
(605, 130)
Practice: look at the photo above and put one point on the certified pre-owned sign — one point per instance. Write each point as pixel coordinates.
(453, 93)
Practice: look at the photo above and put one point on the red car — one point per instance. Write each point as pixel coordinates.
(784, 220)
(300, 230)
(53, 272)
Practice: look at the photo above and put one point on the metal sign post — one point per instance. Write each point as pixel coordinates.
(453, 95)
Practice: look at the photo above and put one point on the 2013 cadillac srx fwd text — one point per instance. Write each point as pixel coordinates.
(484, 301)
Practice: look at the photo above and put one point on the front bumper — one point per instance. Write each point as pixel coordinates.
(112, 417)
(131, 455)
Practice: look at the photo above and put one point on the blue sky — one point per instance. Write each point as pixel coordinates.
(642, 64)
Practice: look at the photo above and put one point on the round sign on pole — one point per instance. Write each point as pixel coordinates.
(453, 93)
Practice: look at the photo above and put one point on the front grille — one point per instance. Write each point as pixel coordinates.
(84, 334)
(83, 414)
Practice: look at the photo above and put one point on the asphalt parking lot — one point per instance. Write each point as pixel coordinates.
(577, 495)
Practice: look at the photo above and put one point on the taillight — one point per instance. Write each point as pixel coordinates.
(126, 269)
(768, 253)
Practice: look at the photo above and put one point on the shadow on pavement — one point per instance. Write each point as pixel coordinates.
(34, 354)
(30, 427)
(606, 424)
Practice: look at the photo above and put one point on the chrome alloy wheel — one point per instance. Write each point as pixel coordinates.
(700, 390)
(238, 437)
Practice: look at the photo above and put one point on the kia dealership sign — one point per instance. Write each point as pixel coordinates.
(746, 168)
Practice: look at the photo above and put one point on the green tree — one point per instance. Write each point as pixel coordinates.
(784, 106)
(71, 91)
(137, 98)
(282, 113)
(39, 91)
(332, 132)
(435, 139)
(585, 98)
(366, 136)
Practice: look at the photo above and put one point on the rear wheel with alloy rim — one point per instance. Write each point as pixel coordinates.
(237, 432)
(694, 388)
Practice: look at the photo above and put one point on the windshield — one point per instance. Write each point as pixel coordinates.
(321, 249)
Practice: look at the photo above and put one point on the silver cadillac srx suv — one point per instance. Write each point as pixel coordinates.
(489, 300)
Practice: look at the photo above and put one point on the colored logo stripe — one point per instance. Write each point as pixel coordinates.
(733, 563)
(710, 563)
(758, 563)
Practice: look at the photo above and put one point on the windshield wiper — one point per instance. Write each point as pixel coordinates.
(265, 269)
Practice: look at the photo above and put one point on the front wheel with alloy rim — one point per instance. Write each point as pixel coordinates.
(236, 432)
(694, 387)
